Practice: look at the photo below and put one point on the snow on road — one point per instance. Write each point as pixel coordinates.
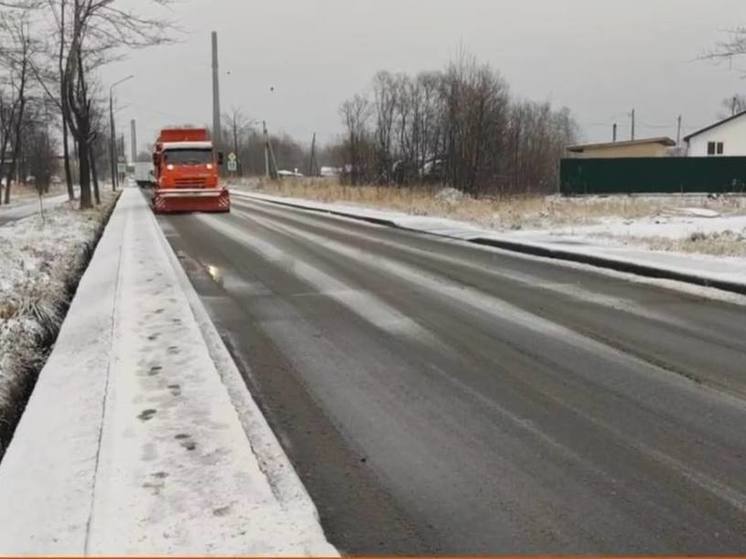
(132, 443)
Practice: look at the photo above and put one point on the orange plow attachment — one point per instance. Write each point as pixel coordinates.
(180, 200)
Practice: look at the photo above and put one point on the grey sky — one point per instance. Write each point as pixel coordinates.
(598, 57)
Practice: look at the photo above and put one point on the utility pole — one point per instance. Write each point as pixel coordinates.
(678, 130)
(312, 170)
(613, 132)
(133, 139)
(633, 125)
(122, 157)
(113, 131)
(733, 106)
(217, 135)
(266, 148)
(235, 144)
(112, 142)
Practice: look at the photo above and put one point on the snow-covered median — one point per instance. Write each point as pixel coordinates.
(137, 439)
(40, 263)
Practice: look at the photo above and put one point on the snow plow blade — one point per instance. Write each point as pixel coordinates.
(181, 200)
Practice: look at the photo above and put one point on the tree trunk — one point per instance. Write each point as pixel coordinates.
(84, 161)
(66, 157)
(94, 176)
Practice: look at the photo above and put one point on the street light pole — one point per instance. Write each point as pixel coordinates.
(112, 131)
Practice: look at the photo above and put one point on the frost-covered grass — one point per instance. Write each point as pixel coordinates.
(499, 213)
(41, 261)
(718, 243)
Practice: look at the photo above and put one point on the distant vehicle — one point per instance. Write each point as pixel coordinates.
(186, 173)
(55, 179)
(330, 171)
(286, 173)
(144, 173)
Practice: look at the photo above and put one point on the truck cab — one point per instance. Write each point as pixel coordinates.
(187, 174)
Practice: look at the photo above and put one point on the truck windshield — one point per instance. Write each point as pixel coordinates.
(189, 156)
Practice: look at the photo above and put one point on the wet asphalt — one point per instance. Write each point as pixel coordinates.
(438, 397)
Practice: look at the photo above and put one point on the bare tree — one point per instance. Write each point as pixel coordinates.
(239, 127)
(732, 106)
(15, 57)
(459, 127)
(355, 115)
(734, 45)
(92, 33)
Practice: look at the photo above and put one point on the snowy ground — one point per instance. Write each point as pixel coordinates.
(41, 261)
(137, 439)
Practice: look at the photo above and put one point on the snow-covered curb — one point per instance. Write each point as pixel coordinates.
(723, 273)
(137, 440)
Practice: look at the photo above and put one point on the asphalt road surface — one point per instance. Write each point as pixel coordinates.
(437, 397)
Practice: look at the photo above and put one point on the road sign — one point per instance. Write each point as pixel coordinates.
(232, 165)
(232, 157)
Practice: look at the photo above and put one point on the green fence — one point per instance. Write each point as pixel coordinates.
(652, 175)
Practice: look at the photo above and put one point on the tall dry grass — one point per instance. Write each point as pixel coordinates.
(501, 213)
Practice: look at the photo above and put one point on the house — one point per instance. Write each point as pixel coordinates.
(648, 147)
(724, 138)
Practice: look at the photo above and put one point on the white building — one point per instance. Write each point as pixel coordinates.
(724, 138)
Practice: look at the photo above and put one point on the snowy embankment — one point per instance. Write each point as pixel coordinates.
(140, 436)
(41, 260)
(573, 244)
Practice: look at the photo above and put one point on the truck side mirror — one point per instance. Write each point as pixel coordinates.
(220, 158)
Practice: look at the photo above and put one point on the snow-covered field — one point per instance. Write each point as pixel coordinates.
(41, 260)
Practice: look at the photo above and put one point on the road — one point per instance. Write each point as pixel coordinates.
(437, 397)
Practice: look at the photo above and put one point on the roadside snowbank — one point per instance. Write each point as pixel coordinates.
(131, 443)
(41, 261)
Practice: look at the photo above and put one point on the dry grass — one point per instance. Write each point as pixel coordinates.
(725, 243)
(506, 213)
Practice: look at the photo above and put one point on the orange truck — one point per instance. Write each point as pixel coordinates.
(186, 173)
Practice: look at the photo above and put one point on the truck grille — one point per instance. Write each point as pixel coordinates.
(190, 183)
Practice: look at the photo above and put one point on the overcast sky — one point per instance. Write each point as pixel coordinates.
(600, 58)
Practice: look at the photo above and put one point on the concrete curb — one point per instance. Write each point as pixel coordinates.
(532, 249)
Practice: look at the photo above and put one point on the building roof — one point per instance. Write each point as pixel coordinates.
(663, 140)
(711, 126)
